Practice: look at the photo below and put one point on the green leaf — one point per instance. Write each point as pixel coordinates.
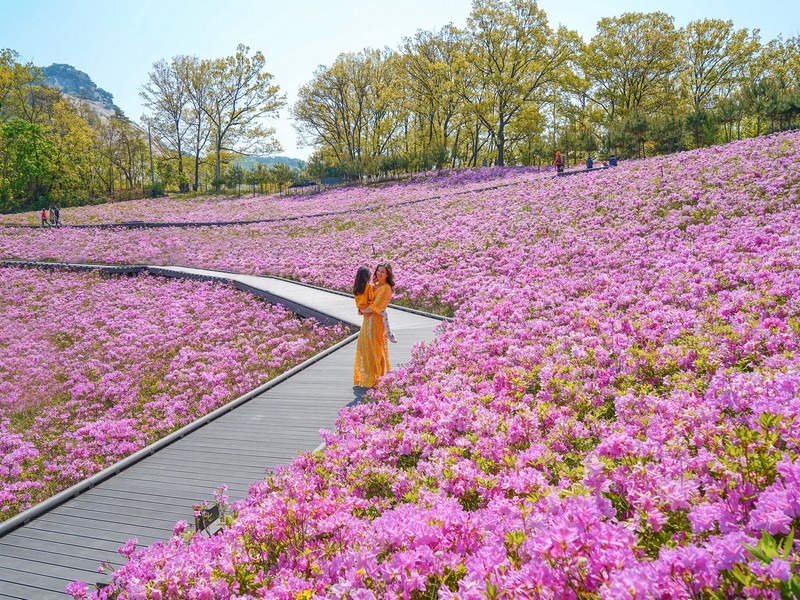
(788, 544)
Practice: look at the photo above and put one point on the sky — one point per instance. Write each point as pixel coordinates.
(116, 42)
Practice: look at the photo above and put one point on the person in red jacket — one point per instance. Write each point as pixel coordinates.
(559, 162)
(44, 217)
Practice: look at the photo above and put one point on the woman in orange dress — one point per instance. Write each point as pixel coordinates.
(372, 347)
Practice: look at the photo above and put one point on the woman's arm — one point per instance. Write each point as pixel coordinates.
(383, 295)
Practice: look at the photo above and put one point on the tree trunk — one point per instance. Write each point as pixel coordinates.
(501, 145)
(196, 171)
(501, 150)
(453, 152)
(217, 170)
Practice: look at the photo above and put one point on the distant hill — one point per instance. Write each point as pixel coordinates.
(79, 85)
(249, 162)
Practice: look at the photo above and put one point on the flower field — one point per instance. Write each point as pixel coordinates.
(258, 207)
(94, 368)
(613, 413)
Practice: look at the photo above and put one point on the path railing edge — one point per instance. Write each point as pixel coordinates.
(65, 266)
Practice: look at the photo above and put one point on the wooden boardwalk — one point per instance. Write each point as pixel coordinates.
(68, 542)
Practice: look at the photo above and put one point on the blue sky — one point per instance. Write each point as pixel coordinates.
(117, 42)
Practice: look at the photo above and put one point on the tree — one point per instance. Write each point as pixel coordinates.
(631, 64)
(352, 107)
(193, 74)
(167, 94)
(780, 81)
(235, 176)
(239, 95)
(434, 65)
(517, 56)
(715, 57)
(666, 132)
(26, 162)
(72, 139)
(730, 113)
(121, 149)
(282, 175)
(256, 176)
(15, 78)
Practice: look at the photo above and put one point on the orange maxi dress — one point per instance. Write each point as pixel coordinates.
(372, 347)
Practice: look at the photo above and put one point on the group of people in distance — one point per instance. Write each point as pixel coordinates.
(373, 292)
(51, 218)
(559, 162)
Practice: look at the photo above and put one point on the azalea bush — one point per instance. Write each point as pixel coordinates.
(612, 413)
(94, 368)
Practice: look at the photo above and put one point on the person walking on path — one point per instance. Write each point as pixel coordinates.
(52, 216)
(44, 217)
(58, 215)
(372, 348)
(559, 163)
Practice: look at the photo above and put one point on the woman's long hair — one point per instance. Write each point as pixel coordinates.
(362, 279)
(389, 276)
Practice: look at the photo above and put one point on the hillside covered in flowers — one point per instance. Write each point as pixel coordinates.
(247, 208)
(613, 412)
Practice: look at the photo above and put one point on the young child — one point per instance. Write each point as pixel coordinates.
(363, 290)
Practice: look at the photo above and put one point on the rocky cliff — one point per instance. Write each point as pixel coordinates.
(79, 85)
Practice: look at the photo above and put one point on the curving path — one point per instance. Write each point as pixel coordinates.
(65, 538)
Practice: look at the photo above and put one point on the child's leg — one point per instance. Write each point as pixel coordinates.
(386, 326)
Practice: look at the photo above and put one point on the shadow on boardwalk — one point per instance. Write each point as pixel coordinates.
(359, 392)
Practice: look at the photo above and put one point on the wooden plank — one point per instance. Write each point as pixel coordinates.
(183, 452)
(291, 427)
(58, 573)
(11, 590)
(40, 586)
(59, 554)
(130, 499)
(74, 538)
(180, 491)
(63, 560)
(227, 446)
(214, 473)
(183, 486)
(90, 528)
(130, 516)
(306, 440)
(268, 457)
(58, 543)
(155, 476)
(194, 470)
